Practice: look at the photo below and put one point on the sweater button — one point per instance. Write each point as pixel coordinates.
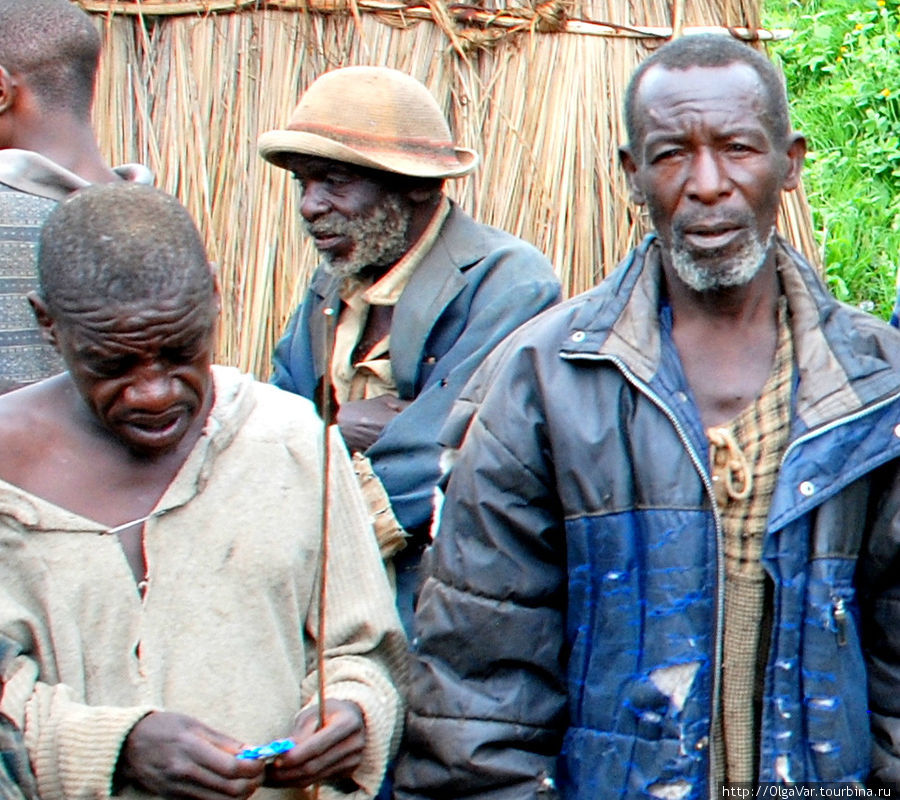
(807, 488)
(578, 336)
(897, 431)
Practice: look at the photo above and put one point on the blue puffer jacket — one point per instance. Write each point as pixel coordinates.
(568, 633)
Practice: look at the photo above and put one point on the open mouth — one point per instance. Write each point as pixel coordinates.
(154, 428)
(326, 241)
(708, 237)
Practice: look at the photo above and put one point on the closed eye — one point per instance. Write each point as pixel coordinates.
(666, 154)
(109, 368)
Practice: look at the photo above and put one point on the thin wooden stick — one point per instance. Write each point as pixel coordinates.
(326, 513)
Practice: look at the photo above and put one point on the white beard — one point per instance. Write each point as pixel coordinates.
(379, 237)
(737, 270)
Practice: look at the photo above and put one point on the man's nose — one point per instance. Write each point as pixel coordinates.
(708, 180)
(313, 201)
(151, 388)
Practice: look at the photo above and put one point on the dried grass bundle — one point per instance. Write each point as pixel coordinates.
(536, 89)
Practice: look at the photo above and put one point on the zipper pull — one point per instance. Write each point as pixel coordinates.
(839, 614)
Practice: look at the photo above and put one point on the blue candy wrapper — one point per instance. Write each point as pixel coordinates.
(267, 751)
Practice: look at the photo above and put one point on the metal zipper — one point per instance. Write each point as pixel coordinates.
(812, 434)
(839, 617)
(720, 546)
(839, 609)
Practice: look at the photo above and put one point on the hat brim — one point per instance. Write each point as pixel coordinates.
(279, 146)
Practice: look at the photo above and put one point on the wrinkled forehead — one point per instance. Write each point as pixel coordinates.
(710, 83)
(666, 95)
(318, 168)
(157, 322)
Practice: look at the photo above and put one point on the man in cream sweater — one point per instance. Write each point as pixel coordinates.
(160, 527)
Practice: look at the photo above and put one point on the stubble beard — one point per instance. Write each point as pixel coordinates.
(731, 270)
(379, 237)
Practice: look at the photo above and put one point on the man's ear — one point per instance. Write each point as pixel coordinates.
(424, 191)
(796, 154)
(44, 319)
(630, 167)
(217, 286)
(8, 89)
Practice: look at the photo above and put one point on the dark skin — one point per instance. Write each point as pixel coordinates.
(28, 123)
(711, 172)
(334, 187)
(362, 421)
(132, 405)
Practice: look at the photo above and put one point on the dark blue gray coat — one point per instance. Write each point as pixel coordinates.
(473, 287)
(568, 631)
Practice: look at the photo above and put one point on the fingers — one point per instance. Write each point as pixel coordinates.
(334, 751)
(199, 783)
(211, 773)
(397, 405)
(335, 762)
(178, 756)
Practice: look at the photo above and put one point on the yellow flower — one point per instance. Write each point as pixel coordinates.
(885, 92)
(881, 3)
(839, 59)
(859, 26)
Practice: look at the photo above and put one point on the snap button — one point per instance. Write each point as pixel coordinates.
(578, 336)
(702, 744)
(897, 431)
(807, 489)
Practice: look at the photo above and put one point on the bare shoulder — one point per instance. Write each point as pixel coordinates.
(31, 422)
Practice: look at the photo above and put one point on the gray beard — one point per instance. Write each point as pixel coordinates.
(379, 237)
(737, 270)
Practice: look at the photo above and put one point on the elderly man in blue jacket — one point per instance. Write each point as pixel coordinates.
(668, 565)
(411, 294)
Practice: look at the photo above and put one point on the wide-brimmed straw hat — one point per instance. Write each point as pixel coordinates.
(373, 117)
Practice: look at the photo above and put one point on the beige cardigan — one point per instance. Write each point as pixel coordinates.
(224, 631)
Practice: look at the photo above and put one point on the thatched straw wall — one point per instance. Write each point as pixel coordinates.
(187, 85)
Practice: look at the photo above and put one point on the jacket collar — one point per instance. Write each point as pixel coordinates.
(842, 364)
(33, 173)
(435, 283)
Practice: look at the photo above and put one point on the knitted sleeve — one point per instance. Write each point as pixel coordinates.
(73, 747)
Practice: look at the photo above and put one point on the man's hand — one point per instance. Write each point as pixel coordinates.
(362, 421)
(175, 755)
(333, 752)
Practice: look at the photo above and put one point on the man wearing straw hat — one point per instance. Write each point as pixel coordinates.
(161, 524)
(49, 51)
(668, 564)
(411, 295)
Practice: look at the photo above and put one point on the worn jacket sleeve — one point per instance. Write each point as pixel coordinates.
(487, 697)
(293, 365)
(516, 284)
(879, 588)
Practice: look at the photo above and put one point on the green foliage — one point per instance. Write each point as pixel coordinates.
(842, 67)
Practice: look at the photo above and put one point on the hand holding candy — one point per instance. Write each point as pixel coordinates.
(268, 751)
(334, 751)
(175, 755)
